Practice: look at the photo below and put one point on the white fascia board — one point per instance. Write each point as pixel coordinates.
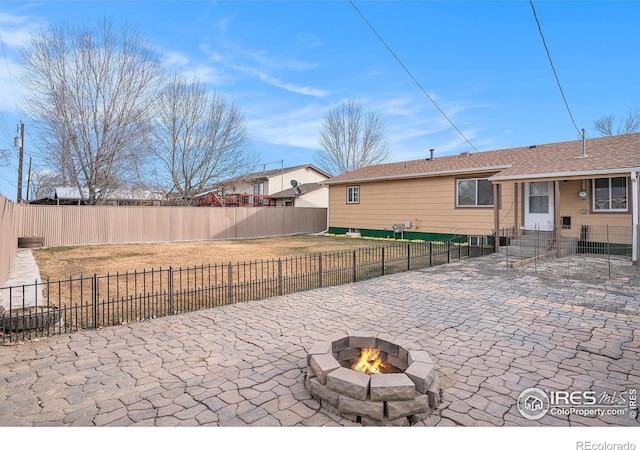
(565, 174)
(420, 175)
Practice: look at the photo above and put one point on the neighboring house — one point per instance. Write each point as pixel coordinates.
(307, 195)
(258, 188)
(120, 197)
(568, 186)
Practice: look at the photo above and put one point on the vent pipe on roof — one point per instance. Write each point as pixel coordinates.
(431, 151)
(584, 147)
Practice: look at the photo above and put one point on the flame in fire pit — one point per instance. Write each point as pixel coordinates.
(369, 362)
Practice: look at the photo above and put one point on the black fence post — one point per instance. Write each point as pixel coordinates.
(355, 267)
(382, 261)
(430, 253)
(94, 294)
(320, 270)
(408, 256)
(448, 251)
(279, 276)
(170, 288)
(230, 286)
(608, 252)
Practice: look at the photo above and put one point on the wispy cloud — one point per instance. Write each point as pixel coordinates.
(16, 29)
(282, 124)
(172, 58)
(183, 64)
(262, 63)
(15, 32)
(290, 87)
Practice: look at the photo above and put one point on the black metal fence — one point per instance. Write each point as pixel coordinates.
(64, 306)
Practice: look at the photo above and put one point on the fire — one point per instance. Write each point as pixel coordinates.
(369, 362)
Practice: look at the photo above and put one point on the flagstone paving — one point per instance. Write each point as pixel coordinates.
(491, 332)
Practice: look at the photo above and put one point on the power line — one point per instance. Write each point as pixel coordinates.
(411, 76)
(4, 52)
(555, 74)
(3, 123)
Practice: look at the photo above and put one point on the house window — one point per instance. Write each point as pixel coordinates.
(353, 194)
(258, 188)
(474, 192)
(610, 194)
(539, 197)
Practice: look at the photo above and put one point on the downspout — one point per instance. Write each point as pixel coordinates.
(634, 218)
(328, 204)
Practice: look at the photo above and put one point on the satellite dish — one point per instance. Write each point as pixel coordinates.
(294, 183)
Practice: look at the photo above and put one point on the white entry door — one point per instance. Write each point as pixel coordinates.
(538, 205)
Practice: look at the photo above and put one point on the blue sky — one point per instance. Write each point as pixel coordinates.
(286, 63)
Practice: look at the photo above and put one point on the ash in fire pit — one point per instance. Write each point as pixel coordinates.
(372, 380)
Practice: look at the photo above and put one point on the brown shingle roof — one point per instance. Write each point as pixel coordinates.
(265, 175)
(291, 192)
(603, 155)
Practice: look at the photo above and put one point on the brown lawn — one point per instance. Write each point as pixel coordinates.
(63, 262)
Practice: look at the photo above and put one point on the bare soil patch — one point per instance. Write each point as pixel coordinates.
(58, 263)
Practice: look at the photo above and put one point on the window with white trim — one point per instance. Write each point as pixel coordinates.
(472, 192)
(258, 188)
(353, 194)
(610, 194)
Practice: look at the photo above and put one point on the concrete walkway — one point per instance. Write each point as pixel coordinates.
(24, 272)
(492, 333)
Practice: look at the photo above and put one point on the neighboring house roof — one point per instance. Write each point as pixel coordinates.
(73, 193)
(304, 189)
(606, 155)
(266, 174)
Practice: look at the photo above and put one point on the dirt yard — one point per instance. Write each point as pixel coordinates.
(57, 263)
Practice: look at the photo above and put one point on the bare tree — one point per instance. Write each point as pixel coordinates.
(90, 87)
(44, 183)
(199, 137)
(351, 139)
(609, 126)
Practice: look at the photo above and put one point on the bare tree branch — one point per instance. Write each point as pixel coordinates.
(630, 123)
(609, 126)
(4, 156)
(44, 183)
(199, 137)
(351, 140)
(605, 125)
(90, 87)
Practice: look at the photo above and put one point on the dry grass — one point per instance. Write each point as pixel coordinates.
(62, 262)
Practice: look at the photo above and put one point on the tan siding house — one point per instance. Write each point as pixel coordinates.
(272, 188)
(569, 186)
(308, 195)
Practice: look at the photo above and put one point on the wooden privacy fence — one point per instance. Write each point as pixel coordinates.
(114, 299)
(9, 230)
(80, 225)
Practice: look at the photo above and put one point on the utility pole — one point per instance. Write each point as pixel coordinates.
(29, 179)
(20, 140)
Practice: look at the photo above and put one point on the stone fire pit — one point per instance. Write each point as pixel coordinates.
(401, 397)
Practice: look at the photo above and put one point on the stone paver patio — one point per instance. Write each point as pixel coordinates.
(492, 333)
